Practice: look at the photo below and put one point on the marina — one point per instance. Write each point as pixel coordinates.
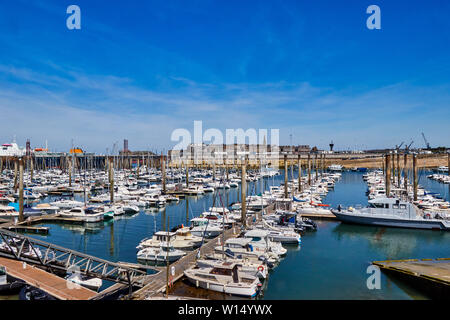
(322, 193)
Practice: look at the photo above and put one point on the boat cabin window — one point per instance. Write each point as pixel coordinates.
(395, 206)
(221, 271)
(377, 205)
(403, 206)
(256, 239)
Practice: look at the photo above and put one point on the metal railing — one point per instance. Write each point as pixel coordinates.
(33, 251)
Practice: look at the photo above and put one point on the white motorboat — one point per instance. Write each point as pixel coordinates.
(67, 204)
(46, 208)
(226, 278)
(164, 238)
(91, 283)
(161, 254)
(252, 267)
(242, 247)
(130, 209)
(27, 250)
(86, 214)
(202, 227)
(261, 239)
(283, 235)
(8, 212)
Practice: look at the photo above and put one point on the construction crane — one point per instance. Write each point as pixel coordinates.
(426, 142)
(398, 147)
(408, 146)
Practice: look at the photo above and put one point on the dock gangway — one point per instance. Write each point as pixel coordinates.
(56, 258)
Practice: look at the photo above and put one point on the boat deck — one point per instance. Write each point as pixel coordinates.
(50, 283)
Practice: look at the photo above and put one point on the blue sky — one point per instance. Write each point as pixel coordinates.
(140, 69)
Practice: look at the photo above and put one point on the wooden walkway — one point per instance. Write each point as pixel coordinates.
(27, 225)
(50, 283)
(40, 219)
(319, 216)
(430, 275)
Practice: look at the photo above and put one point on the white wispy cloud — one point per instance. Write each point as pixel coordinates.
(98, 110)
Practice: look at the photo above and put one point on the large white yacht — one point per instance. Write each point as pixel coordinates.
(391, 212)
(11, 150)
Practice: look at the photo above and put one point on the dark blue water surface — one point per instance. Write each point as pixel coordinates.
(331, 263)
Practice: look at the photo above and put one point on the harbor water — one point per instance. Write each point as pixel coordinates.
(331, 263)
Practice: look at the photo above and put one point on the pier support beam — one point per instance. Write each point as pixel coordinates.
(31, 168)
(163, 169)
(299, 174)
(405, 172)
(309, 169)
(187, 176)
(187, 210)
(111, 182)
(387, 178)
(415, 176)
(15, 175)
(285, 177)
(448, 163)
(21, 190)
(243, 194)
(398, 170)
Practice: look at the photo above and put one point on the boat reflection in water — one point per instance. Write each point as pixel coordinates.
(391, 243)
(87, 228)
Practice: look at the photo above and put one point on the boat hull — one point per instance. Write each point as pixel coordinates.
(431, 224)
(228, 289)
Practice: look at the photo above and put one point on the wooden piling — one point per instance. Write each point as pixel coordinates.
(415, 176)
(299, 174)
(398, 170)
(187, 176)
(448, 163)
(243, 194)
(21, 218)
(393, 168)
(405, 172)
(70, 173)
(315, 168)
(309, 169)
(111, 182)
(187, 210)
(388, 175)
(31, 168)
(15, 175)
(163, 169)
(285, 177)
